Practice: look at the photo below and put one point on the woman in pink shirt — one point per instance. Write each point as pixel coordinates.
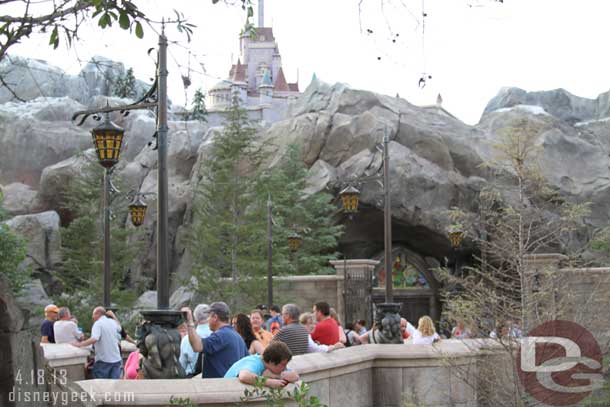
(132, 365)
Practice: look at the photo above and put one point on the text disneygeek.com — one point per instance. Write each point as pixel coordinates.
(66, 398)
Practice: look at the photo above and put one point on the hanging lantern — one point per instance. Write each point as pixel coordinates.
(456, 236)
(349, 199)
(294, 241)
(108, 140)
(137, 210)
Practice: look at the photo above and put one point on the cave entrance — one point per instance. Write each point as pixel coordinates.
(416, 287)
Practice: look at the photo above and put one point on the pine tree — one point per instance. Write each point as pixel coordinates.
(198, 111)
(227, 234)
(12, 252)
(310, 216)
(125, 87)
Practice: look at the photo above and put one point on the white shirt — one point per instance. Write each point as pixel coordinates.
(314, 347)
(107, 332)
(66, 331)
(418, 339)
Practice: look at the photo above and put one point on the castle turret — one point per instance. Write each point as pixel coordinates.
(265, 89)
(239, 84)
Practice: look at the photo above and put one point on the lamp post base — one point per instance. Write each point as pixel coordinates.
(387, 324)
(159, 343)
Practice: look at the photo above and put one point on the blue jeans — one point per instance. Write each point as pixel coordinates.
(103, 370)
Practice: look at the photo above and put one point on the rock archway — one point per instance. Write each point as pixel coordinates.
(416, 285)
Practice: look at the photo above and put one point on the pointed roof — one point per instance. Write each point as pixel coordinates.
(314, 77)
(280, 82)
(439, 100)
(238, 72)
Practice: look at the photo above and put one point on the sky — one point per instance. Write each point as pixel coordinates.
(470, 48)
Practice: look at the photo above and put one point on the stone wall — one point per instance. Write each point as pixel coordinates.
(305, 291)
(361, 376)
(581, 295)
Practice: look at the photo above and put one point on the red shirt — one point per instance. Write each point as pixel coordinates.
(326, 332)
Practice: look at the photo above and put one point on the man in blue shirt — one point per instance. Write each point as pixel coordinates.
(272, 365)
(223, 347)
(47, 334)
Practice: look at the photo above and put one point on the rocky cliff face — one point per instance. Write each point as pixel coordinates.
(32, 78)
(559, 103)
(435, 159)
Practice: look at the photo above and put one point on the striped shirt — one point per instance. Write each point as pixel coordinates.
(295, 336)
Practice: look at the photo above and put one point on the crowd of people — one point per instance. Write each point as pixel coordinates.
(217, 344)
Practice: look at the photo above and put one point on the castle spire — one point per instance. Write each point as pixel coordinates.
(261, 13)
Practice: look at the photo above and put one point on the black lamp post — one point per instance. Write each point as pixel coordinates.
(349, 200)
(163, 318)
(107, 140)
(455, 237)
(294, 243)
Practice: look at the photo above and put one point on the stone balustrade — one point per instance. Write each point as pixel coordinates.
(69, 361)
(370, 375)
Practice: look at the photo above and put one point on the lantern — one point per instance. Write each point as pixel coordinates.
(294, 241)
(137, 210)
(349, 199)
(456, 237)
(108, 140)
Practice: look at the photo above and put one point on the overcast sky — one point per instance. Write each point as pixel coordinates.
(471, 48)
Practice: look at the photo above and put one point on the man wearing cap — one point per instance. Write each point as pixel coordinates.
(223, 347)
(46, 329)
(188, 357)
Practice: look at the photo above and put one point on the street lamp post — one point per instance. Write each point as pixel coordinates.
(269, 254)
(388, 311)
(137, 210)
(455, 237)
(294, 243)
(159, 323)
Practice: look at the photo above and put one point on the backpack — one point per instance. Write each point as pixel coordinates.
(274, 327)
(348, 342)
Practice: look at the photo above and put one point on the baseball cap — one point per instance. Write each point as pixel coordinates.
(51, 308)
(221, 309)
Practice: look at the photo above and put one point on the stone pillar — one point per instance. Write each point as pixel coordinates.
(351, 267)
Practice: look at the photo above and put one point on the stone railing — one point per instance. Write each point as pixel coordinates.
(69, 361)
(371, 375)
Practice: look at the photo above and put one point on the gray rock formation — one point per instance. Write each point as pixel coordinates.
(20, 352)
(19, 199)
(34, 294)
(559, 103)
(41, 233)
(147, 300)
(31, 78)
(56, 178)
(35, 135)
(436, 160)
